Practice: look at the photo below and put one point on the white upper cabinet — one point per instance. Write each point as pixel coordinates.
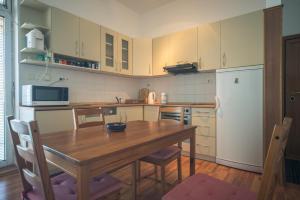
(109, 43)
(89, 40)
(64, 33)
(182, 47)
(242, 40)
(124, 54)
(209, 46)
(142, 56)
(74, 36)
(160, 54)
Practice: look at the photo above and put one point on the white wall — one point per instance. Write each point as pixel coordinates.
(291, 16)
(84, 87)
(108, 13)
(272, 3)
(199, 87)
(182, 14)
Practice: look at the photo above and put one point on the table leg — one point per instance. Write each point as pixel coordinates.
(192, 153)
(134, 177)
(82, 183)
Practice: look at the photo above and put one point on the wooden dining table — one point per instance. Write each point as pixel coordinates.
(88, 152)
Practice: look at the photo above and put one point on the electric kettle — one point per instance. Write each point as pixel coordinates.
(151, 98)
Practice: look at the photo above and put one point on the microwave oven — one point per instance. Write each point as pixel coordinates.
(34, 95)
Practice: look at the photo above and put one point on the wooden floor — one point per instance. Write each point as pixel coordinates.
(10, 186)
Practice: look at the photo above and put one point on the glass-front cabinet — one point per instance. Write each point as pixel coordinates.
(116, 52)
(109, 50)
(124, 54)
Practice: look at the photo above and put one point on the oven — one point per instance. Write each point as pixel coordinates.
(176, 115)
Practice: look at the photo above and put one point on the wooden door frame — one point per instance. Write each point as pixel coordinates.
(284, 42)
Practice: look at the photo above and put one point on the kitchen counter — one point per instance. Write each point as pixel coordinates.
(109, 104)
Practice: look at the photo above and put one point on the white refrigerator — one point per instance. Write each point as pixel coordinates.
(240, 117)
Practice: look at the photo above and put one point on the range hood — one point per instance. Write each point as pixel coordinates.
(185, 68)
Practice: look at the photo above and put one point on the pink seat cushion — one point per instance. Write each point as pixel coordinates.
(204, 187)
(162, 155)
(64, 187)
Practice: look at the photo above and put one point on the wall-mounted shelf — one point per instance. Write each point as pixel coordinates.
(74, 68)
(30, 26)
(34, 4)
(32, 50)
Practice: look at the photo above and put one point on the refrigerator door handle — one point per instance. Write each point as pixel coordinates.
(217, 103)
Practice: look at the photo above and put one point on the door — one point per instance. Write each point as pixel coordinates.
(6, 83)
(89, 40)
(160, 54)
(242, 40)
(240, 118)
(142, 57)
(124, 54)
(183, 47)
(108, 50)
(209, 46)
(292, 94)
(64, 33)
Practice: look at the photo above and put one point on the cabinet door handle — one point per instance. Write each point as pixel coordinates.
(224, 59)
(76, 48)
(149, 70)
(82, 48)
(199, 63)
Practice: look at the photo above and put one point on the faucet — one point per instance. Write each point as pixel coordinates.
(118, 99)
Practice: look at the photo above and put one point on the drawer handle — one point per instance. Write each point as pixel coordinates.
(207, 146)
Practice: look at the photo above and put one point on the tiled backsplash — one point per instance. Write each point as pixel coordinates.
(84, 87)
(199, 87)
(88, 87)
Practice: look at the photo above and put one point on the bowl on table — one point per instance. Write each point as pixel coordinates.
(116, 126)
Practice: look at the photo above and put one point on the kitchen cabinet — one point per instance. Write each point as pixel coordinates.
(209, 46)
(151, 113)
(74, 36)
(142, 56)
(109, 44)
(61, 120)
(205, 120)
(242, 40)
(124, 54)
(131, 113)
(160, 54)
(182, 47)
(64, 33)
(89, 40)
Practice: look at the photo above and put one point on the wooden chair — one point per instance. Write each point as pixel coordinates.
(79, 113)
(165, 156)
(202, 186)
(37, 185)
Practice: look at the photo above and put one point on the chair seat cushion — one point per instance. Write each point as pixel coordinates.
(64, 187)
(204, 187)
(162, 155)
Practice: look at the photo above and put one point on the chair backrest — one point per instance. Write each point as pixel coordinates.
(31, 162)
(274, 160)
(81, 114)
(171, 109)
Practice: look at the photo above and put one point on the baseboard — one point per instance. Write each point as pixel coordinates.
(5, 171)
(245, 167)
(292, 157)
(200, 156)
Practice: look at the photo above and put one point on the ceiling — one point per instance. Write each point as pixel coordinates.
(143, 6)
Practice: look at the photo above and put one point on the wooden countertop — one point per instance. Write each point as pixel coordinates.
(110, 104)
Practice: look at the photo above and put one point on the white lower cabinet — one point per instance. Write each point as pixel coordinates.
(49, 121)
(131, 113)
(205, 120)
(151, 113)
